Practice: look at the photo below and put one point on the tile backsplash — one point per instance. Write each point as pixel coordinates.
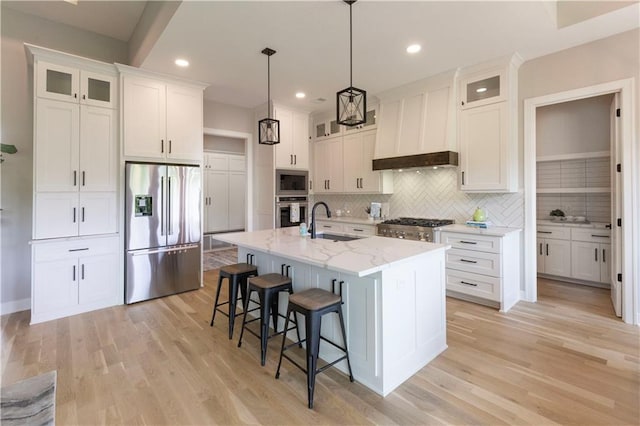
(434, 194)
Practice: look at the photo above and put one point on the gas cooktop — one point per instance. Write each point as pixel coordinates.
(416, 221)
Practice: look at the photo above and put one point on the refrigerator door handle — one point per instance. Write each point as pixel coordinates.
(169, 227)
(162, 250)
(161, 205)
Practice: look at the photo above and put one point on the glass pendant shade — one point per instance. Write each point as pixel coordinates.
(268, 128)
(269, 131)
(352, 106)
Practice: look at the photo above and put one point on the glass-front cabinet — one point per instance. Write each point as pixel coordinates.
(369, 124)
(483, 89)
(327, 128)
(64, 83)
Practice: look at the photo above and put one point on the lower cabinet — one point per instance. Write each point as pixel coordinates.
(74, 276)
(346, 228)
(224, 192)
(591, 261)
(554, 257)
(483, 268)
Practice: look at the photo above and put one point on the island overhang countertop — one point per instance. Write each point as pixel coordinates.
(359, 257)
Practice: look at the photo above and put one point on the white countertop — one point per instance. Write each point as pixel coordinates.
(360, 257)
(598, 225)
(496, 231)
(350, 219)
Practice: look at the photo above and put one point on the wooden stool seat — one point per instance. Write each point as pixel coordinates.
(314, 299)
(269, 281)
(236, 275)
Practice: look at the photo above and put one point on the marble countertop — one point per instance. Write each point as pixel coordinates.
(598, 225)
(496, 231)
(359, 257)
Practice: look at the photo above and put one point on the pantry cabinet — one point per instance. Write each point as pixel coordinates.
(293, 150)
(487, 126)
(162, 119)
(224, 192)
(359, 176)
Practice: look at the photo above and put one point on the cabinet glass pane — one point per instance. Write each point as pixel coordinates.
(320, 132)
(370, 117)
(335, 127)
(99, 90)
(58, 82)
(483, 89)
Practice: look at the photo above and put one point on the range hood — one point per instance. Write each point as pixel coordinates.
(432, 159)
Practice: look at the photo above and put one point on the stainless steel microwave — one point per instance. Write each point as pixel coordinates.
(292, 182)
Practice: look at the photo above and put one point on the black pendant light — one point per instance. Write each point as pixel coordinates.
(268, 128)
(351, 103)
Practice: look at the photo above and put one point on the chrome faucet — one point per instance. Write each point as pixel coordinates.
(313, 216)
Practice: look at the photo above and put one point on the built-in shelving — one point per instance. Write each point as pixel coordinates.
(584, 173)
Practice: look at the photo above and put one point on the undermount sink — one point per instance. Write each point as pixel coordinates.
(335, 237)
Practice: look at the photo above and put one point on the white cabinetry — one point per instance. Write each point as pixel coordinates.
(417, 118)
(487, 127)
(162, 119)
(293, 150)
(224, 192)
(483, 268)
(345, 228)
(591, 255)
(326, 126)
(74, 276)
(359, 176)
(328, 166)
(554, 250)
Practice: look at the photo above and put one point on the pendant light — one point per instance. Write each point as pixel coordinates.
(351, 103)
(268, 128)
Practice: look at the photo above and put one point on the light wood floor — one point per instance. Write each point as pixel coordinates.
(564, 360)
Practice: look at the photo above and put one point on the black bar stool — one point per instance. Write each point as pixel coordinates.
(268, 287)
(313, 304)
(236, 275)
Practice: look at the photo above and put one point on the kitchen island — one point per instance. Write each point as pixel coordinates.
(393, 292)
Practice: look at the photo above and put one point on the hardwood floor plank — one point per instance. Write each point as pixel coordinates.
(563, 360)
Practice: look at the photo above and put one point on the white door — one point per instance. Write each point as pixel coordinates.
(284, 150)
(300, 143)
(184, 123)
(97, 89)
(557, 257)
(56, 215)
(352, 151)
(98, 149)
(237, 191)
(57, 285)
(144, 118)
(218, 187)
(585, 261)
(57, 82)
(615, 264)
(97, 213)
(98, 278)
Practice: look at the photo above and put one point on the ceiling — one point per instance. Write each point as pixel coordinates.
(223, 40)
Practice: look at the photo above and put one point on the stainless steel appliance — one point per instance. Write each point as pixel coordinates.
(292, 183)
(410, 228)
(286, 211)
(162, 232)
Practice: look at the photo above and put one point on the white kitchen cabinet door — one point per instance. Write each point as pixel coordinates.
(483, 88)
(56, 286)
(605, 263)
(352, 151)
(237, 163)
(55, 215)
(57, 82)
(184, 123)
(358, 169)
(57, 146)
(98, 149)
(585, 261)
(284, 150)
(540, 256)
(97, 213)
(97, 278)
(237, 191)
(97, 89)
(300, 133)
(557, 257)
(144, 118)
(483, 148)
(218, 208)
(328, 160)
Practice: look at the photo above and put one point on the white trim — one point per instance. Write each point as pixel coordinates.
(15, 306)
(248, 148)
(579, 156)
(629, 161)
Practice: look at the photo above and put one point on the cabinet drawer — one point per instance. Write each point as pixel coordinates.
(591, 235)
(360, 230)
(473, 284)
(471, 242)
(43, 252)
(474, 261)
(555, 232)
(329, 227)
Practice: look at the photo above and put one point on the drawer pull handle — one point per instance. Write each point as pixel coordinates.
(466, 283)
(74, 272)
(359, 230)
(80, 249)
(600, 236)
(468, 261)
(467, 242)
(604, 260)
(545, 232)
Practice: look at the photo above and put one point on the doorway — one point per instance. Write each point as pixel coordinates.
(623, 154)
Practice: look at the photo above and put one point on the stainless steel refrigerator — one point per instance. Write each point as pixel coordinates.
(163, 232)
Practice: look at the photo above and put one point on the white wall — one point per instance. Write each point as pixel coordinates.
(17, 128)
(223, 144)
(228, 117)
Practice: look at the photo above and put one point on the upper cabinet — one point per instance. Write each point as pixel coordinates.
(326, 125)
(162, 120)
(325, 128)
(417, 118)
(293, 150)
(73, 84)
(358, 173)
(487, 126)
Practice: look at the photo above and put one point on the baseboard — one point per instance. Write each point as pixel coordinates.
(15, 306)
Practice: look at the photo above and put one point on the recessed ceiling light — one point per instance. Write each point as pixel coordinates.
(73, 2)
(435, 167)
(300, 95)
(182, 62)
(414, 48)
(481, 89)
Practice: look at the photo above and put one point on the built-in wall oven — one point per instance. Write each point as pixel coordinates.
(291, 211)
(292, 183)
